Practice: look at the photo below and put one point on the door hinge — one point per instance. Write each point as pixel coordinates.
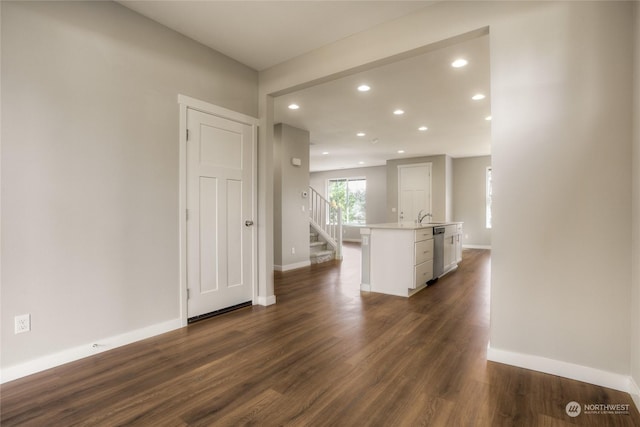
(187, 134)
(188, 293)
(187, 214)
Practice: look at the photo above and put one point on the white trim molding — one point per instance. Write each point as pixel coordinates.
(293, 266)
(265, 301)
(563, 369)
(476, 247)
(185, 103)
(634, 391)
(80, 352)
(216, 110)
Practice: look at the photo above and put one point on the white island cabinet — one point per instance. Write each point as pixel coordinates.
(397, 258)
(452, 246)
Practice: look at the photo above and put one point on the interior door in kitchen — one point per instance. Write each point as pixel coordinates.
(220, 232)
(414, 191)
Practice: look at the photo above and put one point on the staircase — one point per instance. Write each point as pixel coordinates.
(325, 223)
(319, 250)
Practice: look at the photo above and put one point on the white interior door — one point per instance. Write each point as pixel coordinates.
(219, 213)
(414, 191)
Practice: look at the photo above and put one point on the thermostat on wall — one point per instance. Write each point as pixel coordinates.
(304, 194)
(296, 161)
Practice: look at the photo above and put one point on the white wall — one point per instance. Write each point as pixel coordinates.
(635, 300)
(469, 199)
(90, 168)
(562, 182)
(291, 222)
(561, 162)
(376, 200)
(466, 194)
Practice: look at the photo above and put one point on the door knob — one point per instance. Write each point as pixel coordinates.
(248, 223)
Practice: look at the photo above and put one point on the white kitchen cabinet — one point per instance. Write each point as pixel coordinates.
(397, 259)
(449, 255)
(423, 266)
(452, 247)
(449, 252)
(458, 243)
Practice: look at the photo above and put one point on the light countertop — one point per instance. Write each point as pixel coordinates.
(409, 225)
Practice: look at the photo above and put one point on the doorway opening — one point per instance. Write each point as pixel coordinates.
(418, 108)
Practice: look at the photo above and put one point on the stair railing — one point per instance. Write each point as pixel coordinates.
(326, 219)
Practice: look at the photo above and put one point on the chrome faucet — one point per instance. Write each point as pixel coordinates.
(421, 217)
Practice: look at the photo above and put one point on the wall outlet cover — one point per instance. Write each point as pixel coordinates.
(22, 323)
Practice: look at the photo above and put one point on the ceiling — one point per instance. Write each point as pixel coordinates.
(261, 34)
(430, 91)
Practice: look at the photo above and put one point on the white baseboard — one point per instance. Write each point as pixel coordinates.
(352, 240)
(562, 369)
(365, 287)
(98, 346)
(265, 301)
(634, 391)
(476, 246)
(292, 266)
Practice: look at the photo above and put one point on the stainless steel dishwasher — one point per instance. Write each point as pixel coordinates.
(438, 252)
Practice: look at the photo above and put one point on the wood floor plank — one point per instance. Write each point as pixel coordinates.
(326, 354)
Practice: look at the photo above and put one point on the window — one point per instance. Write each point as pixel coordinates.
(489, 192)
(350, 195)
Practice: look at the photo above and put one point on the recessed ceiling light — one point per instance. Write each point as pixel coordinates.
(324, 153)
(294, 106)
(422, 128)
(459, 63)
(477, 97)
(361, 134)
(361, 163)
(364, 88)
(400, 151)
(488, 118)
(398, 112)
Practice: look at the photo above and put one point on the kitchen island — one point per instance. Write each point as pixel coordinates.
(398, 258)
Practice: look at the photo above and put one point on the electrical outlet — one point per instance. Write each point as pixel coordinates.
(293, 251)
(22, 323)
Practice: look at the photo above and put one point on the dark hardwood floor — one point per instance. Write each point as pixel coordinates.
(324, 355)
